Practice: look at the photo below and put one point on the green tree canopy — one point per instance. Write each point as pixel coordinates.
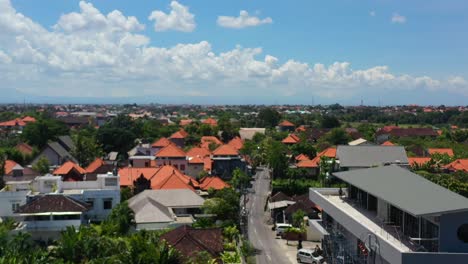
(268, 117)
(40, 132)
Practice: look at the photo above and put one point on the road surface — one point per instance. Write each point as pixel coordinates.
(261, 235)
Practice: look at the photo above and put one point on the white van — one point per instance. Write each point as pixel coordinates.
(280, 228)
(308, 256)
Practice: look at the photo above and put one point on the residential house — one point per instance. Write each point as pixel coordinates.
(159, 144)
(16, 172)
(16, 125)
(212, 182)
(161, 209)
(313, 166)
(196, 165)
(178, 138)
(207, 141)
(418, 161)
(357, 157)
(236, 143)
(57, 152)
(172, 155)
(225, 160)
(185, 122)
(388, 214)
(291, 139)
(210, 121)
(98, 166)
(458, 165)
(24, 148)
(70, 171)
(301, 157)
(45, 216)
(190, 241)
(286, 126)
(448, 151)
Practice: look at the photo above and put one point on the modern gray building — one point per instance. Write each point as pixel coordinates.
(388, 214)
(359, 157)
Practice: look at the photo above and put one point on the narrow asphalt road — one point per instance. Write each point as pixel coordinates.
(260, 235)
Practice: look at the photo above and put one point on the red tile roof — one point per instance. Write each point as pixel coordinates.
(418, 160)
(179, 134)
(168, 177)
(13, 123)
(329, 152)
(24, 148)
(213, 182)
(458, 165)
(210, 121)
(9, 165)
(301, 157)
(210, 139)
(196, 160)
(286, 123)
(236, 142)
(161, 143)
(301, 128)
(189, 241)
(387, 143)
(170, 151)
(67, 167)
(447, 151)
(197, 151)
(128, 175)
(307, 164)
(93, 166)
(28, 119)
(225, 150)
(291, 139)
(208, 164)
(185, 122)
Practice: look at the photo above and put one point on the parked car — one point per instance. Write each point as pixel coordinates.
(280, 228)
(305, 255)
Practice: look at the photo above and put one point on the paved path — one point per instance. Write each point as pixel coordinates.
(260, 234)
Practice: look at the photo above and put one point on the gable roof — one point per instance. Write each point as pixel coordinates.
(307, 164)
(286, 123)
(213, 182)
(170, 198)
(170, 151)
(179, 134)
(67, 167)
(207, 164)
(161, 143)
(416, 195)
(291, 139)
(148, 210)
(225, 150)
(52, 203)
(11, 165)
(301, 157)
(28, 119)
(198, 152)
(168, 177)
(185, 122)
(128, 174)
(13, 123)
(93, 166)
(329, 152)
(418, 160)
(447, 151)
(236, 142)
(458, 165)
(61, 151)
(196, 160)
(210, 139)
(66, 142)
(368, 156)
(24, 148)
(279, 196)
(189, 241)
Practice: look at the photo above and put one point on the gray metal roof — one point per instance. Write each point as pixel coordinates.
(405, 190)
(148, 210)
(61, 151)
(171, 198)
(66, 142)
(369, 156)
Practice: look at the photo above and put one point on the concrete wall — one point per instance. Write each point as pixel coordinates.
(97, 212)
(7, 199)
(194, 170)
(448, 227)
(152, 226)
(174, 162)
(434, 258)
(382, 211)
(52, 157)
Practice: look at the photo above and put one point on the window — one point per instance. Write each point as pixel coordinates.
(110, 182)
(14, 206)
(462, 233)
(90, 202)
(107, 203)
(182, 167)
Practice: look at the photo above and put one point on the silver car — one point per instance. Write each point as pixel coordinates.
(305, 255)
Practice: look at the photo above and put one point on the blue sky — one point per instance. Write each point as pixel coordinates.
(418, 49)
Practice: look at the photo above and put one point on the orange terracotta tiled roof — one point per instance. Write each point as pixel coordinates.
(329, 152)
(387, 143)
(225, 150)
(13, 123)
(196, 160)
(301, 128)
(458, 165)
(301, 157)
(9, 165)
(185, 122)
(168, 177)
(24, 148)
(210, 139)
(170, 151)
(28, 119)
(161, 143)
(67, 167)
(388, 128)
(210, 121)
(286, 123)
(128, 174)
(236, 143)
(208, 164)
(198, 151)
(93, 166)
(179, 134)
(307, 164)
(418, 160)
(447, 151)
(291, 139)
(213, 182)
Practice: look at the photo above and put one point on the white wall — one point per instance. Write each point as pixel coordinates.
(7, 199)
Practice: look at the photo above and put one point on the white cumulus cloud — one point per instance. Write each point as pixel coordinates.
(88, 53)
(398, 19)
(178, 19)
(242, 21)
